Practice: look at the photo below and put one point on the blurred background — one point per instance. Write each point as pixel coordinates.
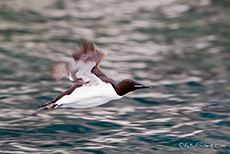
(180, 48)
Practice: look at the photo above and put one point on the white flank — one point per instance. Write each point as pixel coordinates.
(92, 94)
(89, 96)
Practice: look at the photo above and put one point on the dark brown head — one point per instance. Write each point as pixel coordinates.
(128, 85)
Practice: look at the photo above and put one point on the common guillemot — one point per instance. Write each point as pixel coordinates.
(91, 87)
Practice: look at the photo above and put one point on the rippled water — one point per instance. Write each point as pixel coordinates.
(179, 48)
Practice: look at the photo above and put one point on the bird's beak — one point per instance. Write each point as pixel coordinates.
(142, 86)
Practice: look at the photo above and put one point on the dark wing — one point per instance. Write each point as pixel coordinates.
(97, 71)
(87, 52)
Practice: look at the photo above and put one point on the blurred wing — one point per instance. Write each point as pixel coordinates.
(87, 58)
(88, 52)
(59, 70)
(63, 69)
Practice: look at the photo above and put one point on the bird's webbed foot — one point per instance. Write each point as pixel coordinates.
(52, 106)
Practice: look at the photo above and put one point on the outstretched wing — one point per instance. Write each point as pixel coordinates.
(88, 52)
(87, 58)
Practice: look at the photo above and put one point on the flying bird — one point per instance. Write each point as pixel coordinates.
(91, 87)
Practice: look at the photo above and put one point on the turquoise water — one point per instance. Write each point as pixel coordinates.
(179, 48)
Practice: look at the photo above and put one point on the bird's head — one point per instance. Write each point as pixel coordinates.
(129, 85)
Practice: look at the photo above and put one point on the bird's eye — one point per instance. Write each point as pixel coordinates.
(130, 83)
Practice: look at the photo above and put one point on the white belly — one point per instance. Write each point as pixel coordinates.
(88, 96)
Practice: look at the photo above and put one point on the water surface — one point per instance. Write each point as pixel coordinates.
(179, 48)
